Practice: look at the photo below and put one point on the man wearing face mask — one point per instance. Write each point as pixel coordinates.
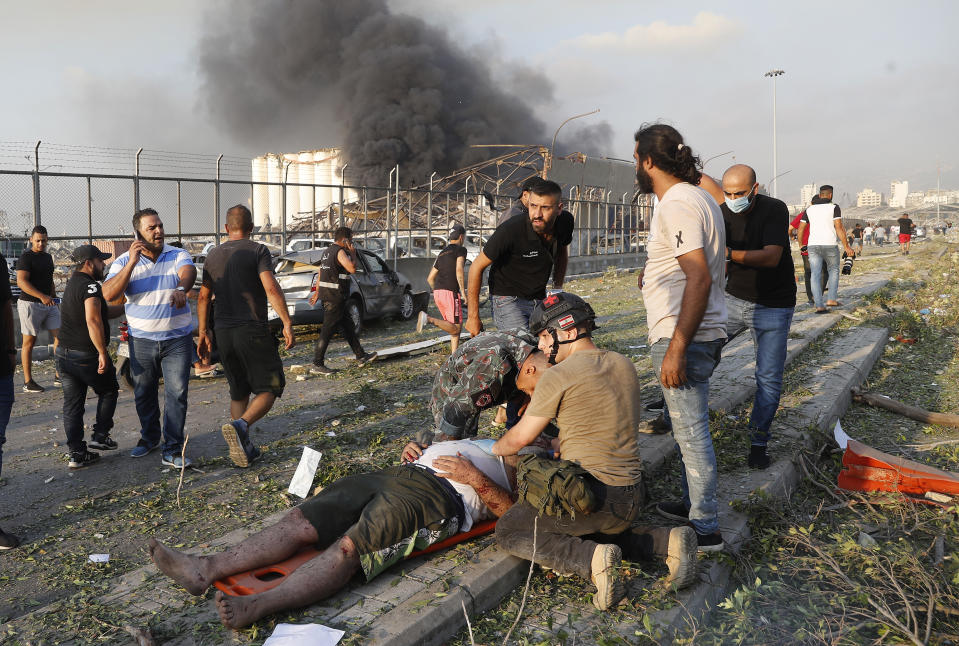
(760, 292)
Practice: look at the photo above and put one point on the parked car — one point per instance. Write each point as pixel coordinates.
(302, 244)
(375, 289)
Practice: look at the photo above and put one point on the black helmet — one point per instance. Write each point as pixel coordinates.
(561, 310)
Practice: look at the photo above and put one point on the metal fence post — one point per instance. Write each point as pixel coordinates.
(36, 185)
(136, 181)
(179, 214)
(89, 211)
(389, 189)
(283, 210)
(216, 201)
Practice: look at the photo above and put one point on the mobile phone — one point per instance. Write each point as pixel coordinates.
(138, 236)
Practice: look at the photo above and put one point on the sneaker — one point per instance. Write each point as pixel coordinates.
(142, 448)
(657, 426)
(710, 542)
(57, 383)
(681, 557)
(81, 459)
(673, 511)
(656, 407)
(242, 451)
(421, 320)
(322, 370)
(8, 541)
(102, 442)
(33, 387)
(175, 461)
(605, 576)
(365, 359)
(758, 458)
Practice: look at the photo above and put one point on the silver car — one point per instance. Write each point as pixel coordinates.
(375, 289)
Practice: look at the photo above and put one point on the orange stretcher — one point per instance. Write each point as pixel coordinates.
(264, 578)
(867, 469)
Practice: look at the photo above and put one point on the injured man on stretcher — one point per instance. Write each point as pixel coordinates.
(371, 521)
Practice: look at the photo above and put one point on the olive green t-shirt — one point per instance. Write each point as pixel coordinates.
(594, 397)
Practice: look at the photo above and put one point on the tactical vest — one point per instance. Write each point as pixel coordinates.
(334, 281)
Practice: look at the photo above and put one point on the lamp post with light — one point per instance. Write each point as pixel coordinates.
(773, 74)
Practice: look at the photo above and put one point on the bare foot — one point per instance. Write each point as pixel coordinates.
(185, 569)
(236, 612)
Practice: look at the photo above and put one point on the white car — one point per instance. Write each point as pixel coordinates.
(303, 244)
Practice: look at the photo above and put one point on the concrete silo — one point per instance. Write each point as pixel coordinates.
(261, 192)
(289, 174)
(323, 177)
(274, 174)
(304, 177)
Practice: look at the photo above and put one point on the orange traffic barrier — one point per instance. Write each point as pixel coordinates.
(262, 579)
(867, 469)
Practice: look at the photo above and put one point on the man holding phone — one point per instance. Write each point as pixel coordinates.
(333, 287)
(155, 278)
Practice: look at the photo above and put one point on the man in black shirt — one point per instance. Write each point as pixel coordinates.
(905, 233)
(239, 273)
(37, 307)
(82, 357)
(760, 292)
(523, 253)
(446, 281)
(8, 362)
(521, 205)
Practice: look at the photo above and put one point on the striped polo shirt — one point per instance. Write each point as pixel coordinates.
(148, 310)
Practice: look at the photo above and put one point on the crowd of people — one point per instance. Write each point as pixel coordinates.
(718, 265)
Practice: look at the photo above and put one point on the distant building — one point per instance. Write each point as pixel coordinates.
(898, 192)
(915, 198)
(868, 197)
(806, 194)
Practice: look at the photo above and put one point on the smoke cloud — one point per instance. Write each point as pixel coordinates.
(386, 87)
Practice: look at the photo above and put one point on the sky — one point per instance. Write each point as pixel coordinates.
(869, 93)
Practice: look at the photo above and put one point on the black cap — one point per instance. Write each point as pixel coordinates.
(457, 230)
(88, 252)
(561, 310)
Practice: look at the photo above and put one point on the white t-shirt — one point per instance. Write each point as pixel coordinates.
(822, 231)
(867, 231)
(686, 219)
(491, 465)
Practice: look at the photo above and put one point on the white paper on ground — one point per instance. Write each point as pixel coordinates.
(840, 435)
(303, 635)
(303, 477)
(99, 558)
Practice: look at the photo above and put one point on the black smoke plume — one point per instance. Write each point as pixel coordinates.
(388, 88)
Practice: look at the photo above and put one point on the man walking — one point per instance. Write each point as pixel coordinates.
(593, 395)
(905, 234)
(760, 292)
(332, 287)
(521, 205)
(446, 281)
(682, 287)
(83, 358)
(880, 234)
(857, 235)
(155, 278)
(8, 362)
(37, 306)
(523, 253)
(239, 274)
(824, 221)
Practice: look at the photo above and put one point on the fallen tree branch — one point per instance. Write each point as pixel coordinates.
(918, 414)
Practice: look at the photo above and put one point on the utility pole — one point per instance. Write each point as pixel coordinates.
(773, 74)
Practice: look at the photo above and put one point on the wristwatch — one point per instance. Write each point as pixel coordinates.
(729, 254)
(181, 288)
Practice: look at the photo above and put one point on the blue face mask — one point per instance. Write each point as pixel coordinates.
(738, 205)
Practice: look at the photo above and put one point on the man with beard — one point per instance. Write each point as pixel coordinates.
(155, 278)
(682, 287)
(523, 253)
(82, 357)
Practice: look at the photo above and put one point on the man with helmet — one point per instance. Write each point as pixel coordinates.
(593, 395)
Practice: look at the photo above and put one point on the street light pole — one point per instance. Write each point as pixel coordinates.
(728, 152)
(774, 74)
(549, 162)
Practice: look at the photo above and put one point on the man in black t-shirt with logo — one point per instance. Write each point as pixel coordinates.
(239, 273)
(760, 292)
(82, 357)
(446, 281)
(8, 362)
(905, 233)
(37, 307)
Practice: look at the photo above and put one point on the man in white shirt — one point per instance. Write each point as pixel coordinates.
(683, 289)
(824, 221)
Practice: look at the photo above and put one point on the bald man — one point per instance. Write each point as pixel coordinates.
(760, 292)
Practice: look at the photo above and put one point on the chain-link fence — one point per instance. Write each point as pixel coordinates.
(396, 222)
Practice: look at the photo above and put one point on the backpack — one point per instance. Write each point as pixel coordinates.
(554, 487)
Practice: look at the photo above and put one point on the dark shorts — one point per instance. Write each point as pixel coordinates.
(387, 514)
(251, 360)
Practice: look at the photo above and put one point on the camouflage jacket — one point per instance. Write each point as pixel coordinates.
(480, 374)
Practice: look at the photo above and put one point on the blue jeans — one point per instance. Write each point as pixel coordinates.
(770, 329)
(149, 360)
(6, 405)
(688, 408)
(827, 255)
(511, 311)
